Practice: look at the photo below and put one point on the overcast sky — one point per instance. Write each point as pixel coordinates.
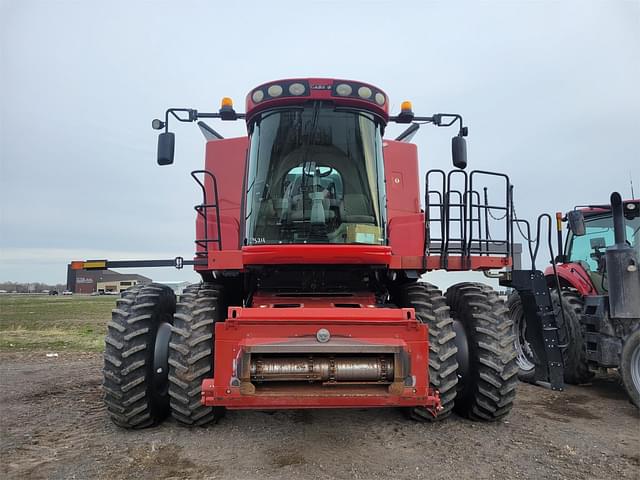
(549, 90)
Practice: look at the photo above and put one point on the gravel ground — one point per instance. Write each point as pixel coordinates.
(53, 425)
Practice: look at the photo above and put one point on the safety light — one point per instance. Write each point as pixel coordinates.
(406, 113)
(257, 96)
(274, 90)
(226, 109)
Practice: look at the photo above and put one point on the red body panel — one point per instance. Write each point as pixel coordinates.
(293, 330)
(316, 254)
(226, 159)
(320, 89)
(575, 276)
(404, 216)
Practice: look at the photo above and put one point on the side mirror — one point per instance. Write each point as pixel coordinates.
(166, 146)
(459, 152)
(576, 222)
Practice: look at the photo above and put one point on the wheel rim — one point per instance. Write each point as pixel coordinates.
(161, 360)
(635, 368)
(525, 358)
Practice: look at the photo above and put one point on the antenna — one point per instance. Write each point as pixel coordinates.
(633, 197)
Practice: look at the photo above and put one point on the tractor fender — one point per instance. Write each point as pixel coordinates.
(572, 275)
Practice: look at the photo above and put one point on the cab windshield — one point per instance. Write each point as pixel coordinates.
(589, 249)
(315, 176)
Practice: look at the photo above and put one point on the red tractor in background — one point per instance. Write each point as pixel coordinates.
(599, 293)
(311, 241)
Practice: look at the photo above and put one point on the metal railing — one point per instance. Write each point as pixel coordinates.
(459, 219)
(203, 211)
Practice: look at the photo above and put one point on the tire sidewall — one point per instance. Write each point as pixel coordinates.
(631, 344)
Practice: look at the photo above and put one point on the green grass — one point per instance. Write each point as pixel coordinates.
(62, 323)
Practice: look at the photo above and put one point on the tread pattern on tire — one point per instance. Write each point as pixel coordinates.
(431, 308)
(490, 389)
(576, 366)
(191, 353)
(128, 355)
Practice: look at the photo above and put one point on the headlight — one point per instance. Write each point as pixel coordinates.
(275, 90)
(296, 89)
(344, 89)
(257, 96)
(380, 99)
(364, 92)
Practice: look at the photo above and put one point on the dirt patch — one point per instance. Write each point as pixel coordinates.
(53, 426)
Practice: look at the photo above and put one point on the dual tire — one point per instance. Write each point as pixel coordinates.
(158, 352)
(471, 348)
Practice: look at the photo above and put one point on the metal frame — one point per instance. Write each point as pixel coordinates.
(466, 209)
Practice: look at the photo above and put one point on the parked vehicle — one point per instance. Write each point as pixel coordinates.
(311, 241)
(599, 280)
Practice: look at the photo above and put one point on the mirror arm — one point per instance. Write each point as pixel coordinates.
(193, 115)
(437, 120)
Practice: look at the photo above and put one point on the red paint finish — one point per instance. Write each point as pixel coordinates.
(575, 276)
(316, 254)
(226, 160)
(475, 263)
(294, 330)
(406, 228)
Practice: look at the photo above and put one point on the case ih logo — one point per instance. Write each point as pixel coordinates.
(316, 86)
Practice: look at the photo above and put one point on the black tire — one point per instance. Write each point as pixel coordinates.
(191, 353)
(488, 391)
(576, 367)
(135, 394)
(431, 308)
(525, 356)
(630, 366)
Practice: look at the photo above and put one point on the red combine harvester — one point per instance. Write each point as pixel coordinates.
(311, 241)
(598, 289)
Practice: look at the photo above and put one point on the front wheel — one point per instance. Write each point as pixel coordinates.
(630, 367)
(487, 385)
(431, 309)
(135, 356)
(191, 353)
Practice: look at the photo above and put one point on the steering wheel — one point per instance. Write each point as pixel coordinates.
(320, 174)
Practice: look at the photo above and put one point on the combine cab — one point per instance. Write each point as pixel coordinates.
(311, 240)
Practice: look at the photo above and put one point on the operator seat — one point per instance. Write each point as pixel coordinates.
(355, 209)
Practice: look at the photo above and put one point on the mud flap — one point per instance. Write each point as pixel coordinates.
(540, 316)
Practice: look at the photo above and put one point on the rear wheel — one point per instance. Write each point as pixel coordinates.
(576, 368)
(191, 352)
(135, 357)
(431, 309)
(487, 389)
(630, 367)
